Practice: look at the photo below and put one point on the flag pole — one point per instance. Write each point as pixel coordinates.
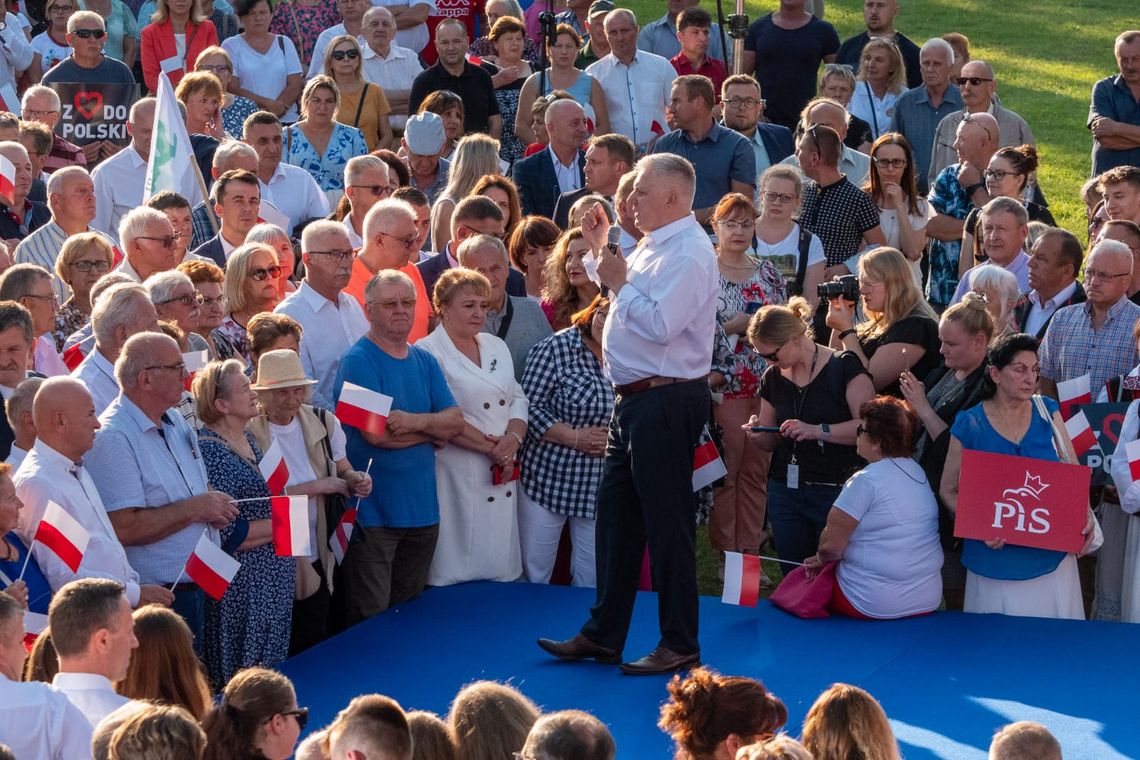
(205, 196)
(183, 570)
(27, 559)
(366, 471)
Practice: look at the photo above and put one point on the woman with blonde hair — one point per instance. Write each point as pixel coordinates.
(432, 738)
(158, 731)
(476, 156)
(200, 92)
(847, 722)
(566, 288)
(257, 717)
(234, 108)
(711, 716)
(999, 286)
(178, 29)
(318, 143)
(82, 260)
(363, 105)
(881, 79)
(779, 747)
(901, 331)
(164, 667)
(250, 288)
(795, 252)
(490, 720)
(277, 239)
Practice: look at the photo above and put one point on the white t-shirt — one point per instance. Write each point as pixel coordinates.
(785, 255)
(889, 221)
(50, 53)
(893, 560)
(292, 442)
(265, 75)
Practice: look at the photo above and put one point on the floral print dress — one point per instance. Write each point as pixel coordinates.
(304, 23)
(328, 169)
(764, 286)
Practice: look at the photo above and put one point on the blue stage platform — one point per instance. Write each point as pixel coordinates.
(947, 680)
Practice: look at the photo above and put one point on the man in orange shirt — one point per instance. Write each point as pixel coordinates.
(389, 238)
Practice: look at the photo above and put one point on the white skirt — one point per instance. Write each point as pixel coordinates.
(1053, 595)
(1130, 598)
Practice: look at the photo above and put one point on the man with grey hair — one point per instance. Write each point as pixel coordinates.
(657, 349)
(119, 313)
(35, 719)
(230, 154)
(30, 285)
(176, 300)
(71, 200)
(1024, 740)
(399, 519)
(1113, 116)
(147, 238)
(390, 236)
(919, 110)
(41, 104)
(331, 320)
(120, 179)
(365, 184)
(149, 472)
(87, 64)
(517, 320)
(541, 178)
(389, 62)
(18, 409)
(1005, 228)
(569, 735)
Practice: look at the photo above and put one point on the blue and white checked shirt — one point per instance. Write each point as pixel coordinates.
(1072, 347)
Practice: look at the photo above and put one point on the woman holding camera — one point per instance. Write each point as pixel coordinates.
(901, 331)
(810, 397)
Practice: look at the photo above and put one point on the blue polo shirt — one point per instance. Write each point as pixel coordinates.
(918, 120)
(403, 480)
(1112, 98)
(720, 157)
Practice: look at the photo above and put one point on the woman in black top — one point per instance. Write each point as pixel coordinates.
(812, 394)
(901, 331)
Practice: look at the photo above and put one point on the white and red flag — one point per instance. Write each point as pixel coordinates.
(363, 409)
(211, 568)
(290, 519)
(1080, 432)
(1073, 392)
(338, 541)
(63, 534)
(1132, 452)
(741, 579)
(708, 467)
(267, 213)
(7, 181)
(274, 469)
(194, 361)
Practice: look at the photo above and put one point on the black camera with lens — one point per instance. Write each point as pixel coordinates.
(546, 18)
(845, 286)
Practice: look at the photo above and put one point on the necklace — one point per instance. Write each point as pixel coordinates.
(904, 472)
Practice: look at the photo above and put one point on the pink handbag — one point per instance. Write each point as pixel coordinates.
(806, 598)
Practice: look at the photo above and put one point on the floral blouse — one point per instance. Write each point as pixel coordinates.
(764, 286)
(304, 23)
(328, 170)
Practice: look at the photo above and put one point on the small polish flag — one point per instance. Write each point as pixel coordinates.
(1080, 432)
(194, 361)
(656, 128)
(63, 534)
(1132, 451)
(741, 579)
(1072, 392)
(274, 469)
(474, 60)
(211, 568)
(117, 256)
(290, 516)
(7, 181)
(268, 213)
(73, 356)
(708, 467)
(363, 409)
(338, 541)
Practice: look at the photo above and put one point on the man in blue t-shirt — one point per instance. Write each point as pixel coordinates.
(398, 523)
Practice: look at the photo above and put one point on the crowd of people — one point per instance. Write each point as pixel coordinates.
(568, 251)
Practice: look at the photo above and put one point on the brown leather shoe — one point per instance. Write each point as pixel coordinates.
(661, 660)
(580, 648)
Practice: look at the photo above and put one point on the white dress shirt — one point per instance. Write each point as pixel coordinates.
(48, 475)
(397, 71)
(661, 319)
(296, 195)
(98, 374)
(118, 188)
(636, 95)
(568, 179)
(1039, 312)
(16, 457)
(40, 723)
(92, 693)
(328, 331)
(354, 238)
(16, 55)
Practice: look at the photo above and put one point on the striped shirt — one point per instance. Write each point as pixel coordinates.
(42, 247)
(1072, 347)
(63, 154)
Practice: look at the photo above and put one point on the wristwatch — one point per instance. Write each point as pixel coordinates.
(824, 431)
(974, 188)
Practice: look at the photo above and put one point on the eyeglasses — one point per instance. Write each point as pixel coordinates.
(999, 174)
(340, 55)
(974, 81)
(41, 298)
(186, 299)
(87, 266)
(180, 367)
(87, 34)
(262, 273)
(868, 285)
(220, 301)
(302, 716)
(167, 241)
(338, 256)
(408, 242)
(746, 102)
(1094, 274)
(213, 68)
(733, 226)
(378, 191)
(890, 163)
(31, 113)
(777, 197)
(62, 10)
(772, 356)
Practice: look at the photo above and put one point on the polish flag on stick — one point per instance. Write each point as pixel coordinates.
(210, 567)
(342, 533)
(274, 469)
(1080, 432)
(1073, 392)
(708, 467)
(7, 181)
(290, 517)
(741, 579)
(1132, 451)
(61, 533)
(363, 409)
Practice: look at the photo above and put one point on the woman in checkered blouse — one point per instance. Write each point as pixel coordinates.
(571, 403)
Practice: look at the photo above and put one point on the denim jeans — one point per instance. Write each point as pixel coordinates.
(797, 516)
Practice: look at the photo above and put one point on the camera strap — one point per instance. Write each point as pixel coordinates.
(801, 264)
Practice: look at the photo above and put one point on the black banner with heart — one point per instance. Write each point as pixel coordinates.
(94, 112)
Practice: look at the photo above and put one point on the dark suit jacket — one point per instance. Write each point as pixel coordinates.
(564, 203)
(212, 249)
(538, 184)
(432, 268)
(7, 437)
(777, 141)
(1021, 311)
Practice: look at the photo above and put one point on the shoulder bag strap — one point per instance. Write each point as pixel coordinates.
(1064, 451)
(801, 265)
(360, 105)
(871, 105)
(505, 322)
(300, 39)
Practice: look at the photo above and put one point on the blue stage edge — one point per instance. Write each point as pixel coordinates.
(947, 680)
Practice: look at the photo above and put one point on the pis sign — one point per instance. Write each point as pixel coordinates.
(1027, 502)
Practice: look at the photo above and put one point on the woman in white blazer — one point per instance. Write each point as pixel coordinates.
(476, 474)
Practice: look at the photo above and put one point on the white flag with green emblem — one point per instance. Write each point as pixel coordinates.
(170, 165)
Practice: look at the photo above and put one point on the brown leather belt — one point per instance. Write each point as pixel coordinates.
(649, 383)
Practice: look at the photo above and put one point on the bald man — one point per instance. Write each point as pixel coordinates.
(544, 176)
(64, 415)
(390, 235)
(120, 179)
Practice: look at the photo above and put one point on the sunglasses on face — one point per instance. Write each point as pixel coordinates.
(340, 55)
(974, 81)
(261, 273)
(302, 716)
(87, 34)
(379, 191)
